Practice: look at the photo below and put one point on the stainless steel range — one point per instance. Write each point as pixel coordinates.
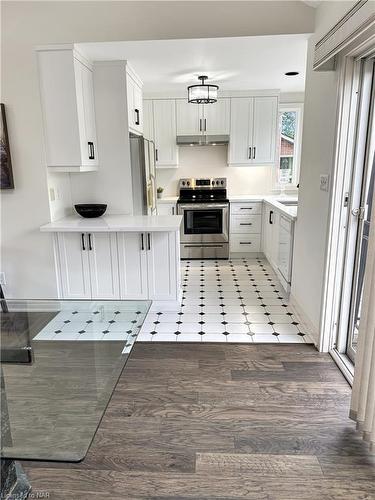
(204, 206)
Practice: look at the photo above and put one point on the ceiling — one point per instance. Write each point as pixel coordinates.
(239, 63)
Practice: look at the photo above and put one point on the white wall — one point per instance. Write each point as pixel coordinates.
(211, 161)
(317, 158)
(27, 255)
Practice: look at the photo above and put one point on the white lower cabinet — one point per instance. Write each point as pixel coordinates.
(163, 278)
(124, 265)
(271, 218)
(245, 227)
(167, 209)
(132, 266)
(88, 265)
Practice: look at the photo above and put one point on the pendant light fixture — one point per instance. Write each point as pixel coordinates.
(202, 93)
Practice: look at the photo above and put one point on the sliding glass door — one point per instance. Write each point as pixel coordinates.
(359, 201)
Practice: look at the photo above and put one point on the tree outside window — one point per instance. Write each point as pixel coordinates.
(289, 126)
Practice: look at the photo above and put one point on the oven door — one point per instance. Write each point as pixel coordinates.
(204, 222)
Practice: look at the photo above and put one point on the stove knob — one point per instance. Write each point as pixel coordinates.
(222, 183)
(183, 183)
(188, 183)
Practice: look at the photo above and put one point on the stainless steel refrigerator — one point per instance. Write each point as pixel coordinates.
(142, 156)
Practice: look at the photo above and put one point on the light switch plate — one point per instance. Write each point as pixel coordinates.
(324, 182)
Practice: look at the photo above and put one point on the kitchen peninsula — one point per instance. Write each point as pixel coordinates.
(118, 257)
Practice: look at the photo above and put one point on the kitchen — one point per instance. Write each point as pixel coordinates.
(242, 204)
(186, 277)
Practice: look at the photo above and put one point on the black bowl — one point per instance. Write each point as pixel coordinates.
(90, 210)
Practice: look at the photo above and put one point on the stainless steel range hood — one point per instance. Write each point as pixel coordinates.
(202, 140)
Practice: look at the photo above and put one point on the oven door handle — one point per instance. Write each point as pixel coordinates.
(198, 206)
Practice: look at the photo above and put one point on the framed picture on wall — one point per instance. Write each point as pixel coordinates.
(6, 173)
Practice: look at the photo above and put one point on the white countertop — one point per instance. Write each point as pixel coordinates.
(115, 223)
(167, 199)
(274, 200)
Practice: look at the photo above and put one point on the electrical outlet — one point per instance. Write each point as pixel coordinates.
(324, 182)
(2, 278)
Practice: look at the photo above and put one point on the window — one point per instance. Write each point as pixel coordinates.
(290, 125)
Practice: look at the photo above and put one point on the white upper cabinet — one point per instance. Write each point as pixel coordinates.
(264, 130)
(253, 130)
(210, 119)
(188, 117)
(67, 98)
(135, 101)
(165, 132)
(216, 117)
(241, 131)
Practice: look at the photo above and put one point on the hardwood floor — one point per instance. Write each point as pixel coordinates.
(221, 421)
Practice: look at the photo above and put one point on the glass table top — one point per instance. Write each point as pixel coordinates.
(61, 360)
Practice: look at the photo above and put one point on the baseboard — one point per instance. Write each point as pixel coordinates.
(305, 320)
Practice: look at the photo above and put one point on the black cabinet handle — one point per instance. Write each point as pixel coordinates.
(83, 241)
(148, 241)
(249, 156)
(245, 242)
(142, 242)
(254, 152)
(91, 150)
(246, 208)
(246, 223)
(270, 220)
(90, 245)
(137, 120)
(205, 124)
(156, 155)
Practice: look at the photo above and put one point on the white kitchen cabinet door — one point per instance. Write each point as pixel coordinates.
(135, 105)
(104, 271)
(167, 209)
(165, 131)
(88, 135)
(241, 131)
(161, 264)
(189, 117)
(217, 117)
(74, 268)
(148, 120)
(68, 111)
(264, 130)
(132, 265)
(285, 248)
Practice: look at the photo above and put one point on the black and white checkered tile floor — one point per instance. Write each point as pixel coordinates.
(239, 300)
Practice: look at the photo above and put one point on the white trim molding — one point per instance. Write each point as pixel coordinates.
(305, 321)
(356, 21)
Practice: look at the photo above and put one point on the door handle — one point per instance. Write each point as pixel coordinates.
(137, 121)
(91, 150)
(249, 155)
(142, 242)
(90, 245)
(148, 241)
(83, 241)
(270, 219)
(254, 152)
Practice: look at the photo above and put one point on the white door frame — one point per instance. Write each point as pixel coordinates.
(349, 67)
